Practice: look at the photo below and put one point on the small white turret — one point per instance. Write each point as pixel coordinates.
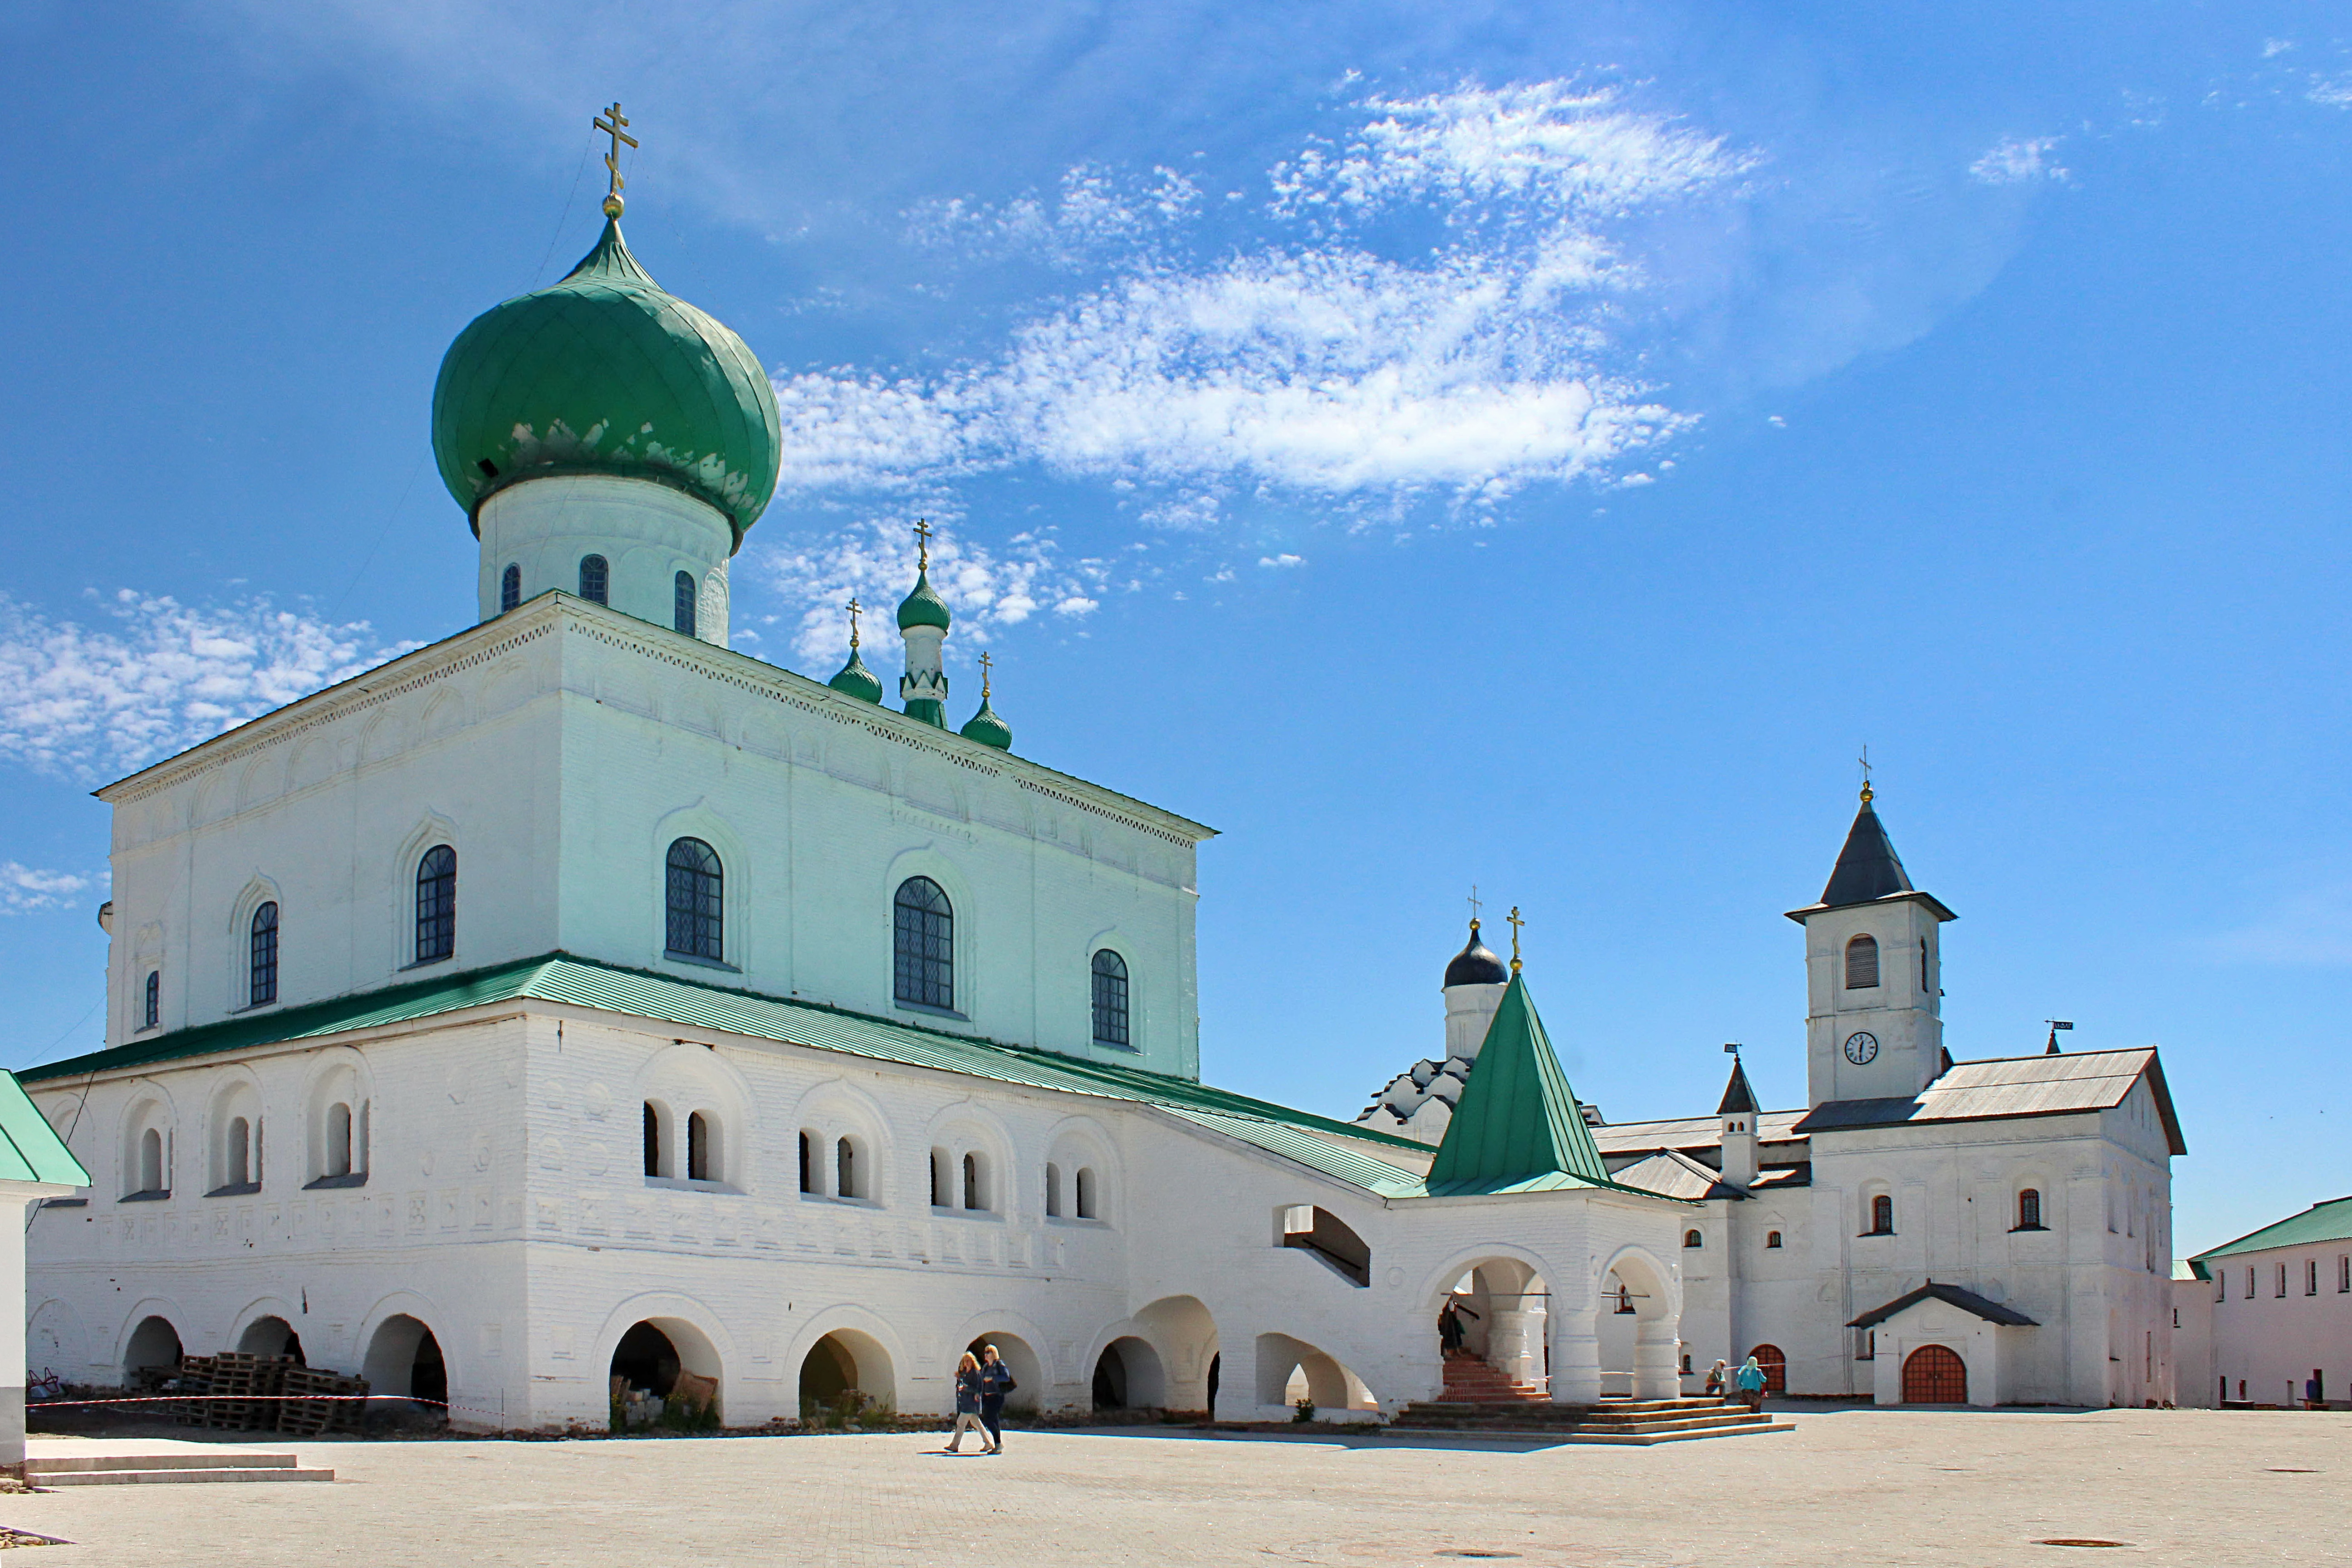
(1738, 1112)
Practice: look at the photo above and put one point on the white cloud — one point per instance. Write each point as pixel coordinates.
(87, 702)
(2331, 92)
(24, 889)
(2313, 928)
(1096, 209)
(987, 589)
(2013, 160)
(1282, 561)
(1327, 368)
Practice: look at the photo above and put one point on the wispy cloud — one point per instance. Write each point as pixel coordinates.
(1342, 354)
(153, 676)
(24, 889)
(2307, 929)
(2016, 160)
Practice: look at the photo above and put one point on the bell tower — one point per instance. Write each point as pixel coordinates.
(1874, 975)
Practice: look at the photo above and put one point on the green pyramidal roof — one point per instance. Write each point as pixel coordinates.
(605, 372)
(30, 1149)
(1518, 1122)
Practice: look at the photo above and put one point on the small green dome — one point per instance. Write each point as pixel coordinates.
(605, 373)
(988, 729)
(858, 681)
(923, 607)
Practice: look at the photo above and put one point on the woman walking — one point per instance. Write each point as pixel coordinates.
(968, 1393)
(995, 1382)
(1750, 1378)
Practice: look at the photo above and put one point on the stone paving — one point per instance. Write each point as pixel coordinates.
(1849, 1486)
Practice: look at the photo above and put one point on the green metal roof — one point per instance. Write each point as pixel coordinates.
(2330, 1221)
(923, 607)
(856, 680)
(988, 729)
(560, 978)
(30, 1149)
(1518, 1128)
(605, 372)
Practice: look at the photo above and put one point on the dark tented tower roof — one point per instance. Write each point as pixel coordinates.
(1739, 1099)
(1867, 868)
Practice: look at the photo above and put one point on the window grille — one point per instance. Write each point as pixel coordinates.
(923, 944)
(595, 578)
(1862, 963)
(437, 904)
(1111, 999)
(2028, 1209)
(155, 998)
(1691, 1238)
(697, 901)
(509, 588)
(264, 956)
(1772, 1239)
(682, 597)
(1881, 1216)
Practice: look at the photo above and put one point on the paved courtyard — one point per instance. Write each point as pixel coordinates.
(1849, 1486)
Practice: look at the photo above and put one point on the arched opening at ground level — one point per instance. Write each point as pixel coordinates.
(1637, 1330)
(847, 1374)
(271, 1336)
(1020, 1360)
(1290, 1370)
(1934, 1374)
(404, 1360)
(665, 1371)
(1130, 1376)
(153, 1348)
(1183, 1333)
(1493, 1331)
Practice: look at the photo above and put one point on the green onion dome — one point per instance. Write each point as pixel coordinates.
(923, 607)
(856, 680)
(988, 729)
(605, 373)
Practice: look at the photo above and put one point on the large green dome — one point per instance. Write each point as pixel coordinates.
(604, 374)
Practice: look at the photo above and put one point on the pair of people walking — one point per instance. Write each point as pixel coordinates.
(981, 1382)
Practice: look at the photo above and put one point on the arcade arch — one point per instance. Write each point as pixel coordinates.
(404, 1358)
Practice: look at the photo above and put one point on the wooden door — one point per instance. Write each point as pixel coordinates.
(1933, 1375)
(1775, 1368)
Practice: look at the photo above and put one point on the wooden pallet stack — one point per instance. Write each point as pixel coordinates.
(195, 1378)
(315, 1417)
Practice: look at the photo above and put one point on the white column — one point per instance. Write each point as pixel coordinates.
(12, 1343)
(1656, 1374)
(1575, 1355)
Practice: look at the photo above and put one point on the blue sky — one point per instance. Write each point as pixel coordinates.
(1529, 446)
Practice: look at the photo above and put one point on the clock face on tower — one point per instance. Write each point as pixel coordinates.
(1860, 1049)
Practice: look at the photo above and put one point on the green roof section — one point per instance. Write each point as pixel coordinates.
(1518, 1128)
(562, 979)
(986, 728)
(30, 1149)
(605, 372)
(854, 679)
(2330, 1221)
(923, 607)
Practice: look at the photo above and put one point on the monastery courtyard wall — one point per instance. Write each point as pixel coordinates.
(1849, 1486)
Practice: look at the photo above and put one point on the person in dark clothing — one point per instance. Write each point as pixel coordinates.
(967, 1396)
(1450, 1327)
(995, 1382)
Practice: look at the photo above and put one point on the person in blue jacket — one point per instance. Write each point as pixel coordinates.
(1750, 1379)
(995, 1382)
(968, 1397)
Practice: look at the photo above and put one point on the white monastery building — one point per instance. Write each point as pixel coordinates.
(2266, 1319)
(576, 1001)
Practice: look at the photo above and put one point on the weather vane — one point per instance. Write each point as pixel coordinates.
(617, 127)
(922, 544)
(1864, 760)
(1516, 923)
(853, 607)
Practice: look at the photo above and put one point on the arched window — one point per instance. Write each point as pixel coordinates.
(2028, 1209)
(1111, 999)
(240, 1153)
(698, 1148)
(1086, 1193)
(923, 944)
(151, 1164)
(696, 919)
(1053, 1191)
(154, 1013)
(1881, 1216)
(437, 904)
(595, 578)
(808, 1165)
(653, 1140)
(681, 602)
(1862, 963)
(339, 1139)
(1772, 1239)
(1691, 1238)
(940, 1178)
(973, 1197)
(264, 956)
(509, 588)
(845, 1159)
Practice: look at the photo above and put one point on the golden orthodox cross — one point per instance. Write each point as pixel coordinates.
(923, 544)
(617, 128)
(1516, 923)
(986, 664)
(854, 608)
(1474, 906)
(1865, 760)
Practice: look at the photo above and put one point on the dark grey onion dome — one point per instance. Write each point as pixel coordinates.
(1474, 965)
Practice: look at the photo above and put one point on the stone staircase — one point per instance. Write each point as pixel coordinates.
(180, 1467)
(1470, 1380)
(1623, 1421)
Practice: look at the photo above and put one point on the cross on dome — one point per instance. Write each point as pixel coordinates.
(617, 128)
